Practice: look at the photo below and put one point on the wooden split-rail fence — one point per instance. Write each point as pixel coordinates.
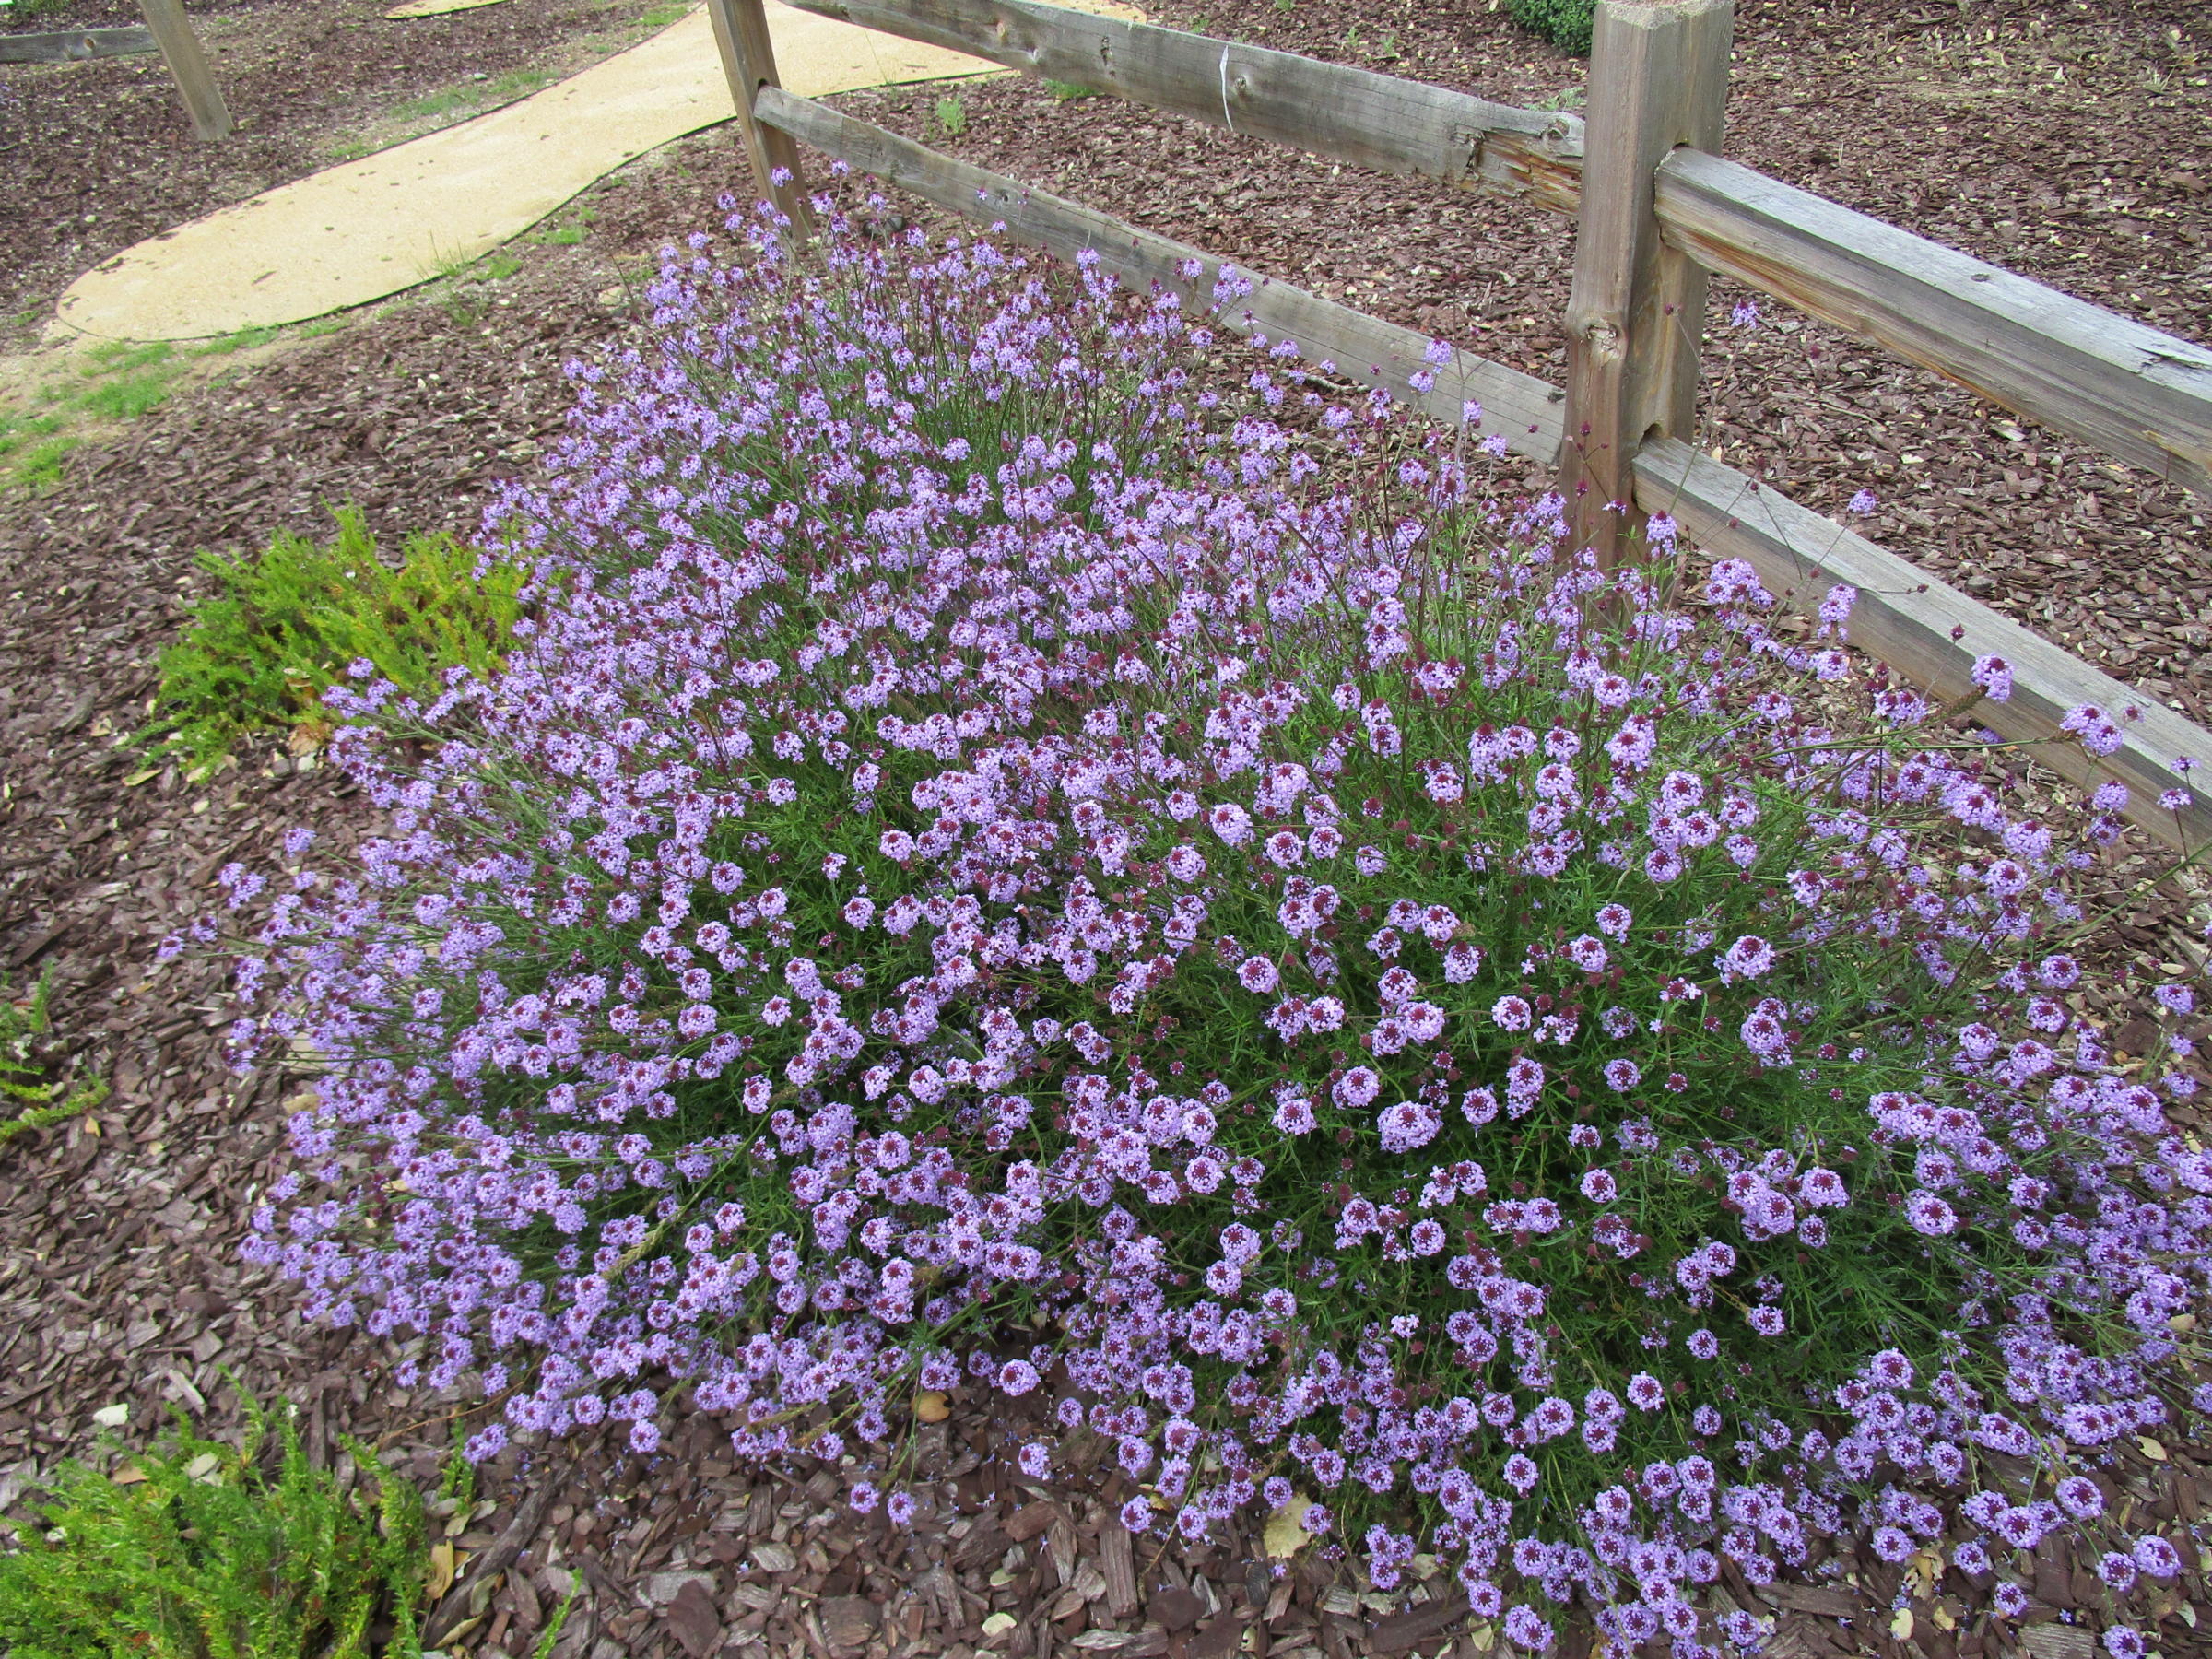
(1656, 209)
(167, 31)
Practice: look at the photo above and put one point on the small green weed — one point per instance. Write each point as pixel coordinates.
(194, 1552)
(25, 1027)
(282, 628)
(660, 17)
(1068, 91)
(567, 236)
(951, 116)
(1573, 98)
(498, 267)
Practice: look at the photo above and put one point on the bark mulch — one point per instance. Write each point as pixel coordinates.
(2067, 143)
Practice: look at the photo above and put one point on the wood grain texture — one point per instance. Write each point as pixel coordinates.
(1636, 309)
(1907, 619)
(181, 51)
(1117, 1562)
(748, 60)
(1524, 410)
(1351, 115)
(74, 45)
(2140, 395)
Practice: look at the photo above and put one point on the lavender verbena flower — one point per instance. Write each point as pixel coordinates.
(994, 857)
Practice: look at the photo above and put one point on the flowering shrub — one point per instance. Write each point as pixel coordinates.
(1000, 872)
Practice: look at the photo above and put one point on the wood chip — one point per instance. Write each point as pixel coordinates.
(1115, 1559)
(693, 1617)
(848, 1621)
(1414, 1627)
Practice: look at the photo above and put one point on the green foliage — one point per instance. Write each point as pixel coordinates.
(24, 1027)
(554, 1626)
(280, 629)
(457, 1480)
(1565, 23)
(246, 339)
(209, 1557)
(32, 447)
(952, 116)
(1068, 91)
(473, 95)
(128, 380)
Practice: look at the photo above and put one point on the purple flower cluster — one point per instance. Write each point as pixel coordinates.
(992, 869)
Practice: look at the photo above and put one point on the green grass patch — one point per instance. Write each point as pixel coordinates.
(951, 116)
(119, 380)
(1068, 91)
(474, 95)
(32, 447)
(660, 17)
(246, 339)
(194, 1550)
(280, 629)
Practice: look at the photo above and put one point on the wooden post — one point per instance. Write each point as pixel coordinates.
(181, 50)
(1636, 312)
(749, 59)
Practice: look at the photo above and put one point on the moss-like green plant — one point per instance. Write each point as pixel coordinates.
(281, 630)
(1565, 23)
(193, 1551)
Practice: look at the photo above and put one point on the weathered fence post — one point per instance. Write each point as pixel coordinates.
(749, 58)
(181, 51)
(1636, 313)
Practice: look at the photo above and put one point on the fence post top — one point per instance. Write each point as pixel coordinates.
(1655, 14)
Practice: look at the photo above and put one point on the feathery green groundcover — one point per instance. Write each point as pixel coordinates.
(196, 1552)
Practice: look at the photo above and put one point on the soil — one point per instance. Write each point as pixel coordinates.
(2069, 143)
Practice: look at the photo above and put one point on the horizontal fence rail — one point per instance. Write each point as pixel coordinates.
(2140, 395)
(1380, 121)
(1933, 634)
(75, 45)
(1525, 411)
(2143, 395)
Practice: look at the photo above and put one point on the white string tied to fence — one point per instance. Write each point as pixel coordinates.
(1227, 119)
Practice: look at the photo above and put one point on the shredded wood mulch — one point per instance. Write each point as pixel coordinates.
(2067, 142)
